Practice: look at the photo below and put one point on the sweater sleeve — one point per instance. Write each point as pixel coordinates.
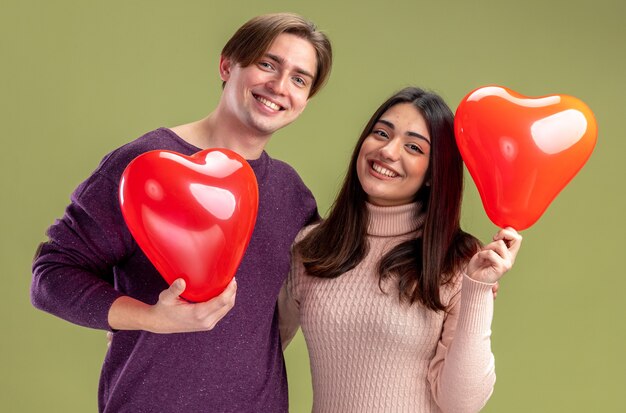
(288, 304)
(462, 372)
(73, 270)
(289, 296)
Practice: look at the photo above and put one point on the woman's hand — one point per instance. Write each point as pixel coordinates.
(171, 314)
(489, 264)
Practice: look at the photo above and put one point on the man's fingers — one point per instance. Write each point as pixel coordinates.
(172, 294)
(212, 311)
(226, 298)
(231, 289)
(221, 312)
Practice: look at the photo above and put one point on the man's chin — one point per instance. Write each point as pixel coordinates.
(265, 128)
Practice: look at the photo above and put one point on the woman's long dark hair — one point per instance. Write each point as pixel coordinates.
(423, 264)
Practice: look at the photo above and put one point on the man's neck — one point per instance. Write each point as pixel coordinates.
(213, 132)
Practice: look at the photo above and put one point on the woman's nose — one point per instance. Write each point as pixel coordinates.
(391, 150)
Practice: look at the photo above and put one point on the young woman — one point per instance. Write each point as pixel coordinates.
(394, 299)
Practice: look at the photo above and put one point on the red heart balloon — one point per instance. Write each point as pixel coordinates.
(521, 151)
(192, 216)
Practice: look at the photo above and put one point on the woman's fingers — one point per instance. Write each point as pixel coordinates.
(511, 238)
(497, 257)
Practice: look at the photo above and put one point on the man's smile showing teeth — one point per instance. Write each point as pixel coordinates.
(267, 103)
(383, 171)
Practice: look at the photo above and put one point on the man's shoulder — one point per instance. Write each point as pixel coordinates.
(286, 189)
(114, 163)
(285, 174)
(286, 180)
(158, 139)
(282, 166)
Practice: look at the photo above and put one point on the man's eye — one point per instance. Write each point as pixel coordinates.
(300, 81)
(266, 65)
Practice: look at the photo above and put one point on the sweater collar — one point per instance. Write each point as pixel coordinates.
(394, 220)
(259, 165)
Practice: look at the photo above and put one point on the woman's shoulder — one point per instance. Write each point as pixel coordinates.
(306, 231)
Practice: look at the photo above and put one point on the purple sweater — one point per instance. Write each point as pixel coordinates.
(91, 259)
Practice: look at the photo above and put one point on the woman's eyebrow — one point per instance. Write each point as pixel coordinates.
(409, 133)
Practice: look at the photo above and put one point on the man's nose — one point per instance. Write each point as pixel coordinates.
(278, 83)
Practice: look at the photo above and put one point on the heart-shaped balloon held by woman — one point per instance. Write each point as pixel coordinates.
(520, 151)
(192, 216)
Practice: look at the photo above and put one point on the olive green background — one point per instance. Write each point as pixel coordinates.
(80, 78)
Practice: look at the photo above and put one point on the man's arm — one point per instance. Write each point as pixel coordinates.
(73, 272)
(171, 314)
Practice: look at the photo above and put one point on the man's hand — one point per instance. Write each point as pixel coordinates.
(172, 314)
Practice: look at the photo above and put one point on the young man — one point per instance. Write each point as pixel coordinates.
(92, 273)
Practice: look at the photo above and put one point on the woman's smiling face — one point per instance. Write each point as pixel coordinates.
(394, 158)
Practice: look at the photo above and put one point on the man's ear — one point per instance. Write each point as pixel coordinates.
(225, 66)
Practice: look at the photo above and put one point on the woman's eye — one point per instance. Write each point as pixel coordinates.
(381, 133)
(414, 148)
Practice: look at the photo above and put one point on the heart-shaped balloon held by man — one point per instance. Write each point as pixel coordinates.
(192, 216)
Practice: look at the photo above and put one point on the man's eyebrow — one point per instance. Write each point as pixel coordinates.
(281, 61)
(410, 133)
